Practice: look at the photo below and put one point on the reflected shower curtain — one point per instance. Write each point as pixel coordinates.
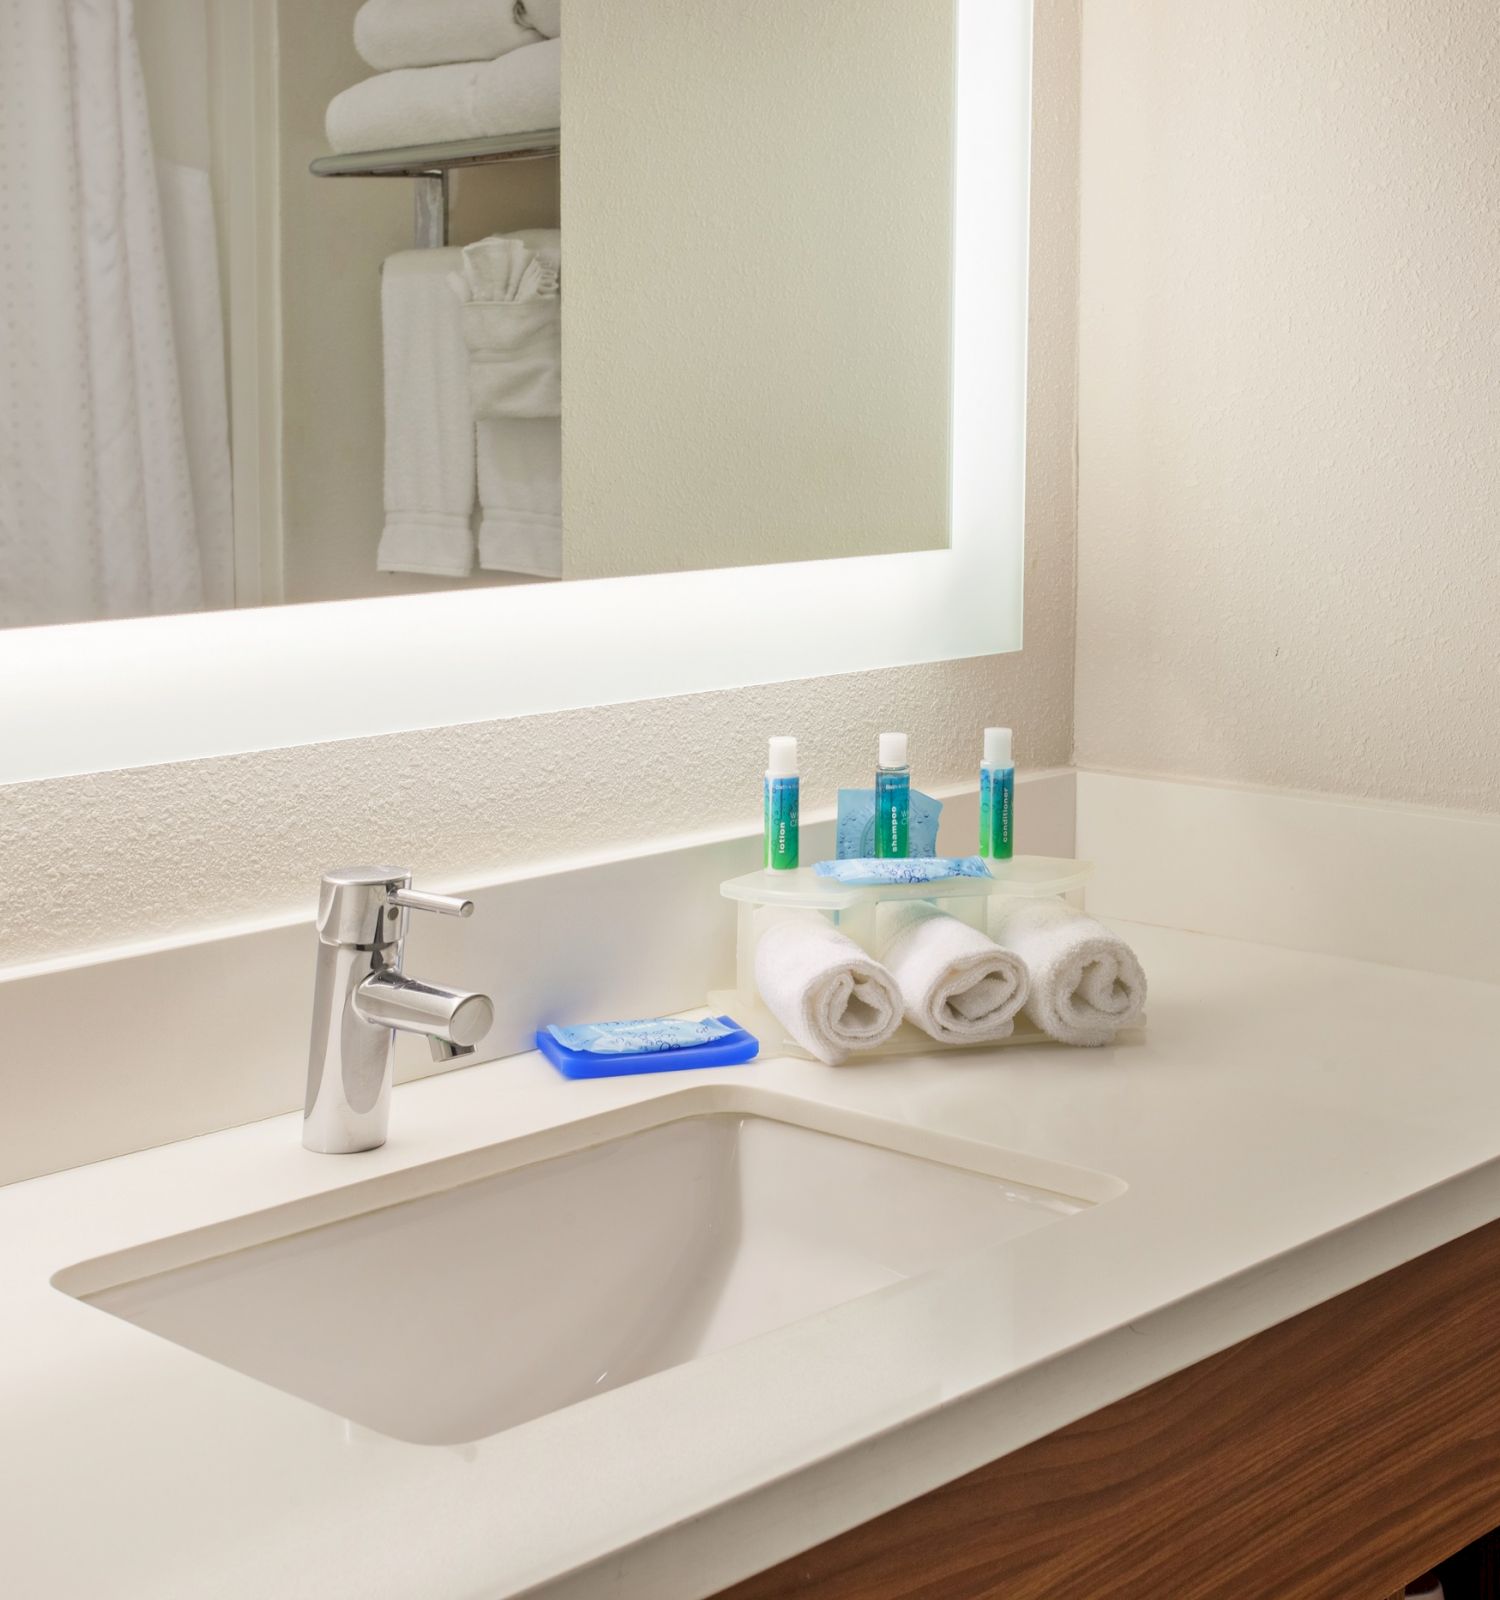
(97, 509)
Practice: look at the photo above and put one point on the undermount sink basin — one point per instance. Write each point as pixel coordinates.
(448, 1302)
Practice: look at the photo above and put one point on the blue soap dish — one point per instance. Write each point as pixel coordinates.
(732, 1050)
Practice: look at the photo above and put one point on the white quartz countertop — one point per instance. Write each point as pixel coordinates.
(1291, 1125)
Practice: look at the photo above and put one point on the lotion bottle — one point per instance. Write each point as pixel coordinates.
(781, 806)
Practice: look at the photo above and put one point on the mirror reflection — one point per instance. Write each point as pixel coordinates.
(285, 314)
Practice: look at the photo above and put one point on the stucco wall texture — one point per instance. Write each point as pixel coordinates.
(117, 857)
(1289, 395)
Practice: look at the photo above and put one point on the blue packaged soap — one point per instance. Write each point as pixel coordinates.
(639, 1036)
(721, 1042)
(866, 871)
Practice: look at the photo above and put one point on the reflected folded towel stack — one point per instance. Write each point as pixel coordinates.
(955, 984)
(1086, 983)
(391, 34)
(509, 290)
(830, 996)
(515, 93)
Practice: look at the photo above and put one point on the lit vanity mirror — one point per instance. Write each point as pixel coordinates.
(702, 319)
(718, 308)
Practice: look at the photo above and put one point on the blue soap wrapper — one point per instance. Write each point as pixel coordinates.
(870, 870)
(855, 830)
(639, 1036)
(732, 1046)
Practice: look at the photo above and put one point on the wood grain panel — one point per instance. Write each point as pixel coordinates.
(1333, 1457)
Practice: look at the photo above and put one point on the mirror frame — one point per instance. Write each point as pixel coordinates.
(99, 696)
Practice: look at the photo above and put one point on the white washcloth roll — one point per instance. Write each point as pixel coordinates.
(516, 93)
(390, 34)
(543, 15)
(824, 990)
(1086, 983)
(520, 495)
(956, 984)
(429, 427)
(512, 323)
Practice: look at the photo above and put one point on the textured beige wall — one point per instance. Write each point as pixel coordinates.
(123, 856)
(334, 235)
(1289, 402)
(758, 206)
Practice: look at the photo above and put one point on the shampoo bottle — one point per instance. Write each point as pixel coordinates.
(997, 797)
(893, 798)
(781, 801)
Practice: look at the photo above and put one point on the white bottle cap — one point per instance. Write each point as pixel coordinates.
(893, 750)
(782, 762)
(997, 747)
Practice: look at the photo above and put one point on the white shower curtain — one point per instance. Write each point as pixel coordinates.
(97, 512)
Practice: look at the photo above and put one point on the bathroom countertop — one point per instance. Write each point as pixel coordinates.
(1291, 1125)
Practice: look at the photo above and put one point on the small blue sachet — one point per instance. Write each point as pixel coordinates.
(639, 1037)
(855, 829)
(867, 870)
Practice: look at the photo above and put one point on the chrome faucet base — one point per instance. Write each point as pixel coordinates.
(362, 998)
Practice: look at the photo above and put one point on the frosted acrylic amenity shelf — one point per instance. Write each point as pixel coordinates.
(804, 890)
(853, 910)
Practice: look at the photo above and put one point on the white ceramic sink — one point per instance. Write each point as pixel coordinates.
(448, 1302)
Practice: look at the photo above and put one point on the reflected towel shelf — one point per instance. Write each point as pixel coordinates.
(430, 164)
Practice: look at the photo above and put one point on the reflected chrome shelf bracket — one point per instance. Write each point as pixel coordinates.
(430, 164)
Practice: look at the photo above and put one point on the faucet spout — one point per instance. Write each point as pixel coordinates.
(454, 1016)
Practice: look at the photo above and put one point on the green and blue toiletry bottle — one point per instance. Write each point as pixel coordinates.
(893, 798)
(782, 785)
(997, 797)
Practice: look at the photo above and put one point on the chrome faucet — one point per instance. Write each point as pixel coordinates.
(362, 998)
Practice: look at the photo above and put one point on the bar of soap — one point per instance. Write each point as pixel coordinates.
(731, 1045)
(638, 1037)
(867, 871)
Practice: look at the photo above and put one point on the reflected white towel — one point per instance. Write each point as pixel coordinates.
(512, 323)
(515, 93)
(956, 984)
(1086, 983)
(390, 34)
(520, 495)
(429, 426)
(543, 15)
(824, 990)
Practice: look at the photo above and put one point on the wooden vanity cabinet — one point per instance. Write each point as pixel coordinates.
(1333, 1457)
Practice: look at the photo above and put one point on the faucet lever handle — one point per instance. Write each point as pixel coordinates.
(445, 904)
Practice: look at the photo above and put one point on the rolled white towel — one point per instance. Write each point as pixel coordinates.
(390, 34)
(831, 996)
(543, 15)
(955, 984)
(516, 93)
(1086, 983)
